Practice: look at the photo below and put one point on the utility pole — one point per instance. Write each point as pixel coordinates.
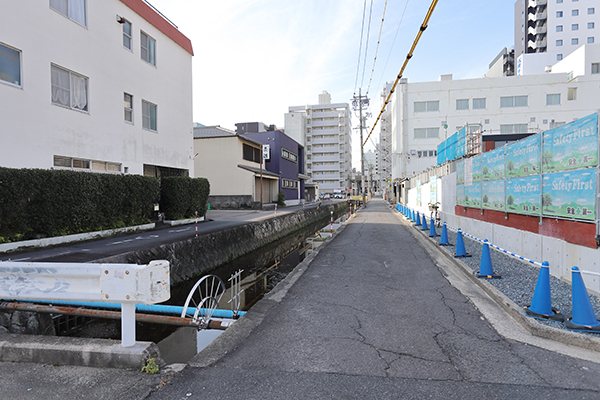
(357, 104)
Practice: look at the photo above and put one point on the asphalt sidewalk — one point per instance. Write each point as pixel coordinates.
(372, 314)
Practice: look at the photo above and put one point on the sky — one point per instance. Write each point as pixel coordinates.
(255, 58)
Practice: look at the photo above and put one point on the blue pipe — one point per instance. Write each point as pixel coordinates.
(153, 308)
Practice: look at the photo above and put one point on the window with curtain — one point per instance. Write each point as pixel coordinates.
(462, 104)
(553, 99)
(149, 116)
(128, 107)
(69, 89)
(478, 104)
(73, 9)
(10, 65)
(127, 35)
(513, 101)
(148, 48)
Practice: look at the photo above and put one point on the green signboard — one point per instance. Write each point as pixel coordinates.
(493, 165)
(571, 146)
(493, 195)
(523, 195)
(570, 194)
(523, 158)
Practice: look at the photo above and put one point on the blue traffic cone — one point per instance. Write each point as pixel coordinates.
(418, 219)
(583, 318)
(541, 303)
(432, 231)
(460, 246)
(444, 239)
(485, 267)
(424, 227)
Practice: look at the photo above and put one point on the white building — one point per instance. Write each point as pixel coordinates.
(494, 105)
(385, 143)
(94, 85)
(555, 27)
(324, 131)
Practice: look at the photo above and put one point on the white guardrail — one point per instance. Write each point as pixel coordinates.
(127, 284)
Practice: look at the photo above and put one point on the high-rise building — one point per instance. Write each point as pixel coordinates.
(324, 131)
(556, 27)
(385, 142)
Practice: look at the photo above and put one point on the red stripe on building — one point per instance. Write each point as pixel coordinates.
(146, 12)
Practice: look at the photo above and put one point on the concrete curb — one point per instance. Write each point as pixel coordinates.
(182, 221)
(235, 334)
(80, 237)
(529, 324)
(100, 353)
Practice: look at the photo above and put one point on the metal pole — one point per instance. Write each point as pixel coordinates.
(332, 222)
(196, 223)
(128, 324)
(362, 152)
(261, 178)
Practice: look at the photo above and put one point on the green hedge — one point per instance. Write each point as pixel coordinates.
(43, 203)
(182, 196)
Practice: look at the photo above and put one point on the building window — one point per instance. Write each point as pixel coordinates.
(574, 13)
(574, 27)
(574, 41)
(72, 9)
(590, 39)
(250, 153)
(149, 112)
(591, 10)
(462, 104)
(559, 57)
(559, 14)
(427, 133)
(478, 104)
(128, 107)
(553, 99)
(288, 155)
(425, 106)
(148, 46)
(516, 128)
(559, 42)
(572, 93)
(559, 1)
(513, 101)
(69, 89)
(10, 65)
(127, 35)
(595, 68)
(77, 163)
(559, 28)
(591, 25)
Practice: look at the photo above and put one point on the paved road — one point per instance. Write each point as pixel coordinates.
(372, 316)
(94, 250)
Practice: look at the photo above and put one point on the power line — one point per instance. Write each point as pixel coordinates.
(408, 57)
(362, 29)
(393, 42)
(377, 49)
(367, 45)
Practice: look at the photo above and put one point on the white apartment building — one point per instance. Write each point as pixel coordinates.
(324, 130)
(103, 86)
(555, 27)
(372, 169)
(385, 142)
(493, 105)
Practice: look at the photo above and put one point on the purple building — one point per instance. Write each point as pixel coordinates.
(286, 158)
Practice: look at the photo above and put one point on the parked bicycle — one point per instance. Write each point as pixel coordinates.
(435, 214)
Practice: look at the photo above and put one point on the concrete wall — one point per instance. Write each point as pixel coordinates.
(192, 257)
(232, 202)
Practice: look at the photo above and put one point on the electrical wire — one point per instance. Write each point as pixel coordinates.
(377, 48)
(367, 44)
(408, 57)
(362, 29)
(393, 42)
